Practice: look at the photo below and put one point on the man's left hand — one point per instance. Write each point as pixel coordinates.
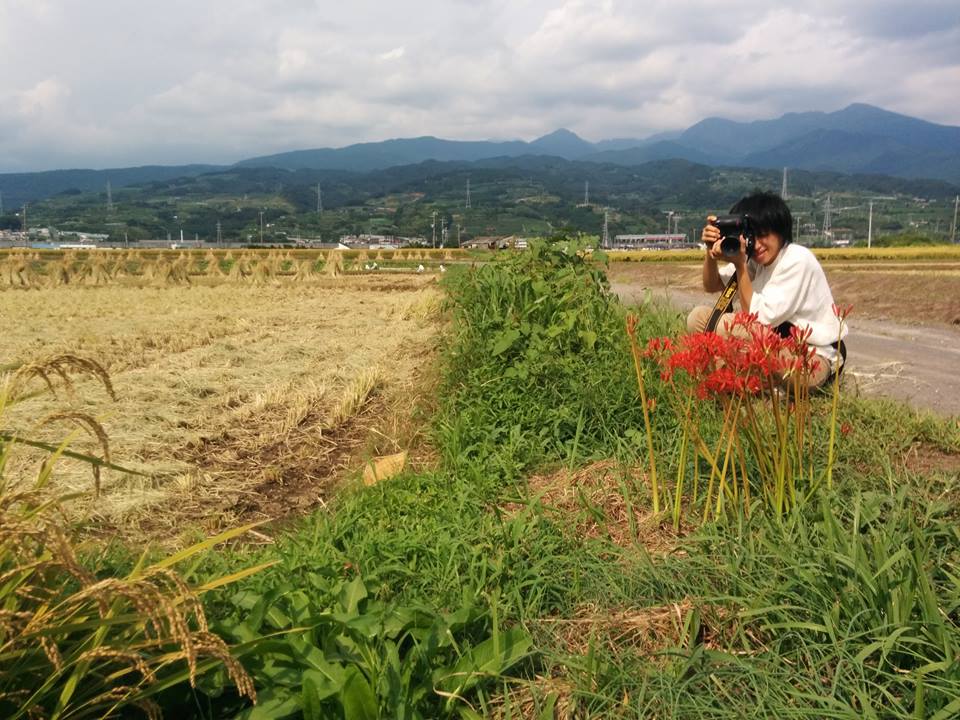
(740, 260)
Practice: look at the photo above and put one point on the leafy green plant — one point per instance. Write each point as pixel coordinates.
(359, 657)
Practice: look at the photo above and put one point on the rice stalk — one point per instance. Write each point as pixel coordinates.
(355, 396)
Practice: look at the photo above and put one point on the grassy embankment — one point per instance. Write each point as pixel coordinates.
(845, 608)
(526, 576)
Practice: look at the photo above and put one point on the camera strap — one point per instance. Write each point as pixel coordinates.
(724, 304)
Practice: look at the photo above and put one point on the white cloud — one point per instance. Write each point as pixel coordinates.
(100, 83)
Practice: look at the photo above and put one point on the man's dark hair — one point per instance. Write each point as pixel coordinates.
(768, 212)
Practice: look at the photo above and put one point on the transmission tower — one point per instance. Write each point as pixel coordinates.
(433, 229)
(468, 206)
(586, 192)
(953, 233)
(109, 198)
(219, 234)
(606, 228)
(870, 226)
(783, 186)
(319, 200)
(827, 232)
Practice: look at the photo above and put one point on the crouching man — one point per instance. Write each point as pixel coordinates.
(782, 283)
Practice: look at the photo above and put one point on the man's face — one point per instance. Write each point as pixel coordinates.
(766, 248)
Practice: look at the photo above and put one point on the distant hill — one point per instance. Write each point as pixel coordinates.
(20, 188)
(860, 139)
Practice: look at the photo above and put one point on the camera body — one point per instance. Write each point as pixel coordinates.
(731, 228)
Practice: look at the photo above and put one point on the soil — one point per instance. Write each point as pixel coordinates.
(904, 340)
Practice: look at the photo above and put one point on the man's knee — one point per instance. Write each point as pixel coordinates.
(698, 318)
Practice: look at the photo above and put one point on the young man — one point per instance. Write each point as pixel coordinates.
(782, 283)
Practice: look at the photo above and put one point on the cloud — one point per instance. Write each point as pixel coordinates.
(105, 84)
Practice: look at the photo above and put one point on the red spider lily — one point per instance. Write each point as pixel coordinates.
(842, 311)
(846, 429)
(735, 364)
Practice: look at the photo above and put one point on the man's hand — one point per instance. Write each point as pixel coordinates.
(710, 236)
(740, 260)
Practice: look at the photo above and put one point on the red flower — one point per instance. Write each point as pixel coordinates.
(845, 429)
(842, 312)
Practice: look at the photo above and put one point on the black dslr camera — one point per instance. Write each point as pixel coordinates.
(731, 228)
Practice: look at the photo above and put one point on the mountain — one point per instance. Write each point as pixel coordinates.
(858, 139)
(20, 188)
(660, 150)
(561, 143)
(364, 157)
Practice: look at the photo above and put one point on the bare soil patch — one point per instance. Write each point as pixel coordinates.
(927, 459)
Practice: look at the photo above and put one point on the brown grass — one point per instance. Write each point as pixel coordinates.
(234, 400)
(604, 500)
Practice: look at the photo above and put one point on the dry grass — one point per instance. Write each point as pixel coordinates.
(596, 502)
(234, 401)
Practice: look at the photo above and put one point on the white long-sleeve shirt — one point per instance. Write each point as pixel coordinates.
(794, 289)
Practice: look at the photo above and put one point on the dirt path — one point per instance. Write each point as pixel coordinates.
(918, 362)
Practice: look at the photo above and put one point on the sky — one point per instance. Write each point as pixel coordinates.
(99, 83)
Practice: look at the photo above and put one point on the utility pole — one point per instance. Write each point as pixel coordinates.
(109, 199)
(433, 230)
(956, 206)
(606, 228)
(458, 234)
(669, 214)
(443, 233)
(468, 194)
(24, 218)
(219, 235)
(261, 227)
(870, 227)
(783, 186)
(319, 200)
(586, 192)
(1, 203)
(796, 234)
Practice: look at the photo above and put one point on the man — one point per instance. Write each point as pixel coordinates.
(782, 283)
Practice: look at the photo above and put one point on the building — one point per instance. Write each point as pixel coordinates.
(653, 241)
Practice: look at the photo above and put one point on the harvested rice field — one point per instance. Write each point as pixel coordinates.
(234, 402)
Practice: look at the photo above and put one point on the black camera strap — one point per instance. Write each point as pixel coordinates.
(724, 304)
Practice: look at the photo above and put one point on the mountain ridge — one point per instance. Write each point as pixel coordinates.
(859, 138)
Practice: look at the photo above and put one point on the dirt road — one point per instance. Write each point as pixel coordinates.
(917, 362)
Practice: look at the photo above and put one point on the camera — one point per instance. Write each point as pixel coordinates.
(731, 228)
